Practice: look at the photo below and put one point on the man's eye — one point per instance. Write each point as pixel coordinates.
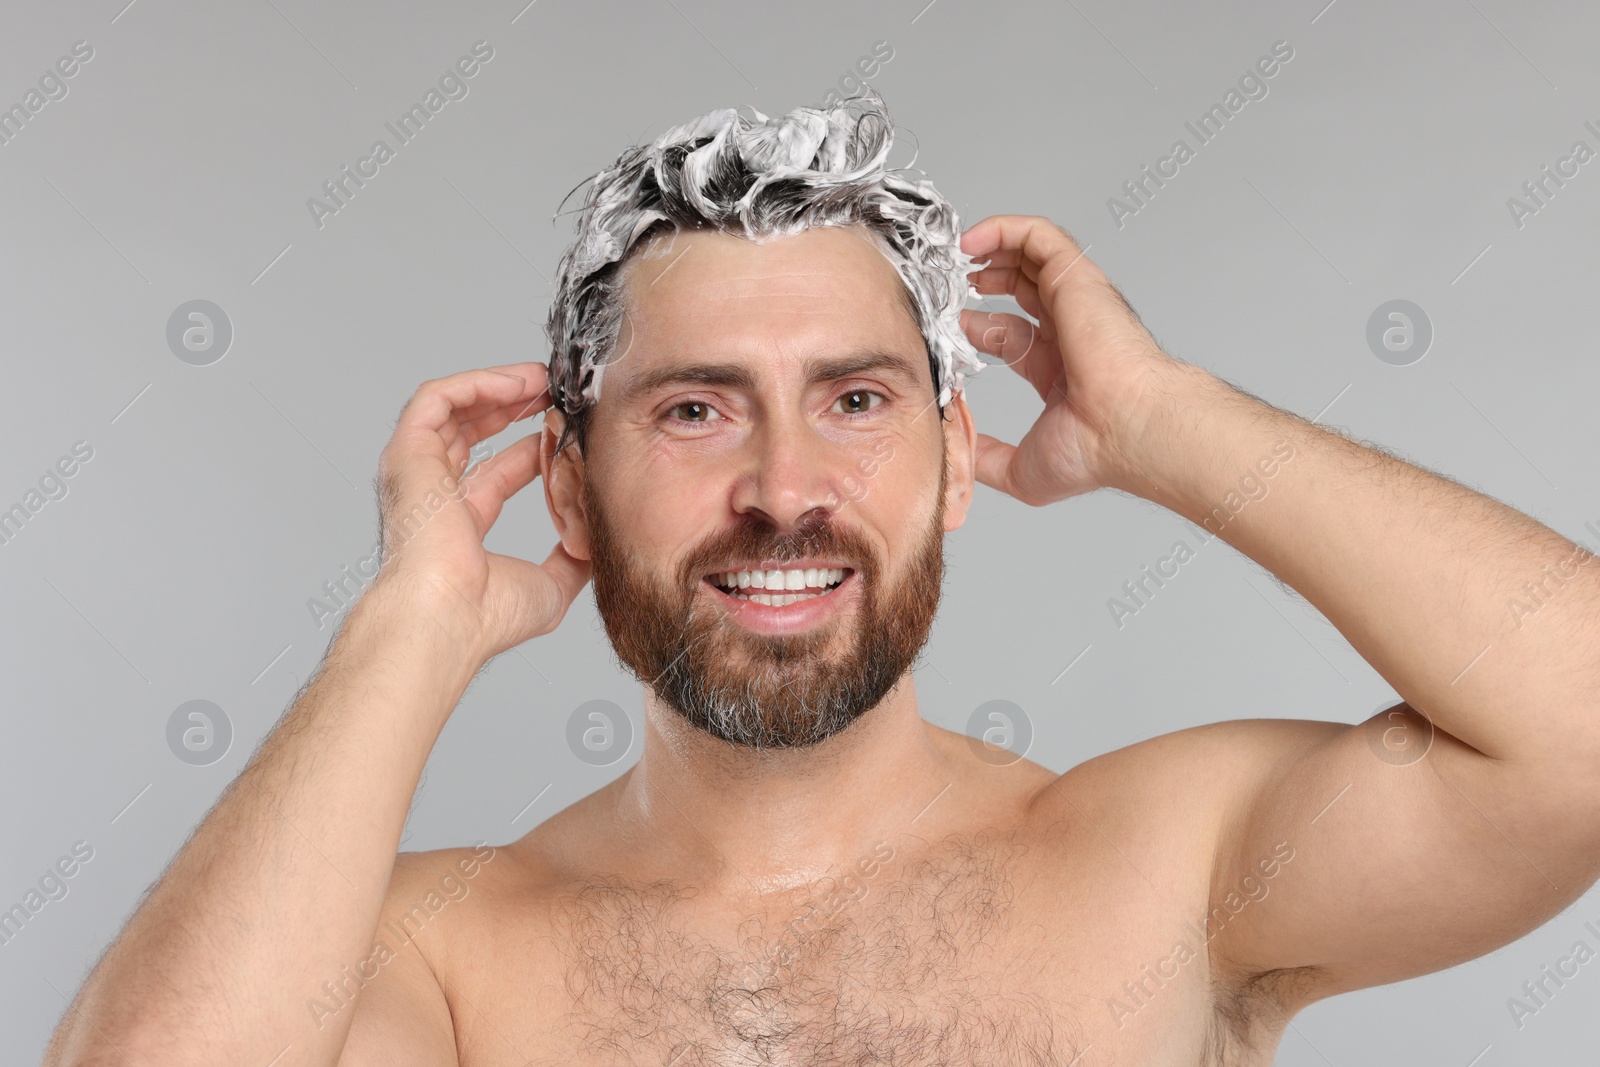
(692, 411)
(855, 401)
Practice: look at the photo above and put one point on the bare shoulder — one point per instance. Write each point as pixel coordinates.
(1210, 760)
(399, 1012)
(1192, 784)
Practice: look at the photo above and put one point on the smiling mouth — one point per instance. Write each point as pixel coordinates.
(778, 588)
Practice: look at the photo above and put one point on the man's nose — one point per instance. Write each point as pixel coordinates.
(788, 470)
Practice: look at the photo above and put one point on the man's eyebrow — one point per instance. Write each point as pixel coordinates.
(847, 366)
(738, 376)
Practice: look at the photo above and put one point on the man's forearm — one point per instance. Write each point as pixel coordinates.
(1482, 618)
(282, 882)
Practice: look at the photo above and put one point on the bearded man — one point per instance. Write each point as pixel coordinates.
(755, 438)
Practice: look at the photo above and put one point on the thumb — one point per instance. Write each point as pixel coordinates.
(993, 463)
(570, 573)
(533, 598)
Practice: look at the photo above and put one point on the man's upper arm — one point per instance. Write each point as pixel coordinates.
(401, 1017)
(1408, 852)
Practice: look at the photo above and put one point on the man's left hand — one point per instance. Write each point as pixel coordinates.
(1089, 357)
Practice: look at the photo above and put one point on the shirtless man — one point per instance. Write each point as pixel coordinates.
(799, 869)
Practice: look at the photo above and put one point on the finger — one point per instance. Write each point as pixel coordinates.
(1004, 281)
(494, 481)
(1019, 343)
(569, 572)
(1052, 262)
(993, 463)
(541, 594)
(1035, 237)
(461, 438)
(994, 281)
(1001, 270)
(1010, 282)
(460, 398)
(1017, 259)
(420, 451)
(1003, 257)
(485, 419)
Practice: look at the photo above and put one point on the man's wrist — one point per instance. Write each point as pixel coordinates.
(1203, 444)
(420, 628)
(1139, 446)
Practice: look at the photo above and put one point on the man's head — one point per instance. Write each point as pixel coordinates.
(773, 402)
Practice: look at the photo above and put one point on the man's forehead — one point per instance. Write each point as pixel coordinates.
(699, 269)
(701, 296)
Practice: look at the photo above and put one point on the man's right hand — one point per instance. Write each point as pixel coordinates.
(435, 512)
(279, 889)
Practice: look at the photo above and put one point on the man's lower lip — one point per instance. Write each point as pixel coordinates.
(780, 617)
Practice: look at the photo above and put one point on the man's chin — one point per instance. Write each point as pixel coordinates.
(827, 642)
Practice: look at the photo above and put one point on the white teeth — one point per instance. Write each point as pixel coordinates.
(778, 600)
(789, 581)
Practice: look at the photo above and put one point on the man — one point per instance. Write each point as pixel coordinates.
(799, 869)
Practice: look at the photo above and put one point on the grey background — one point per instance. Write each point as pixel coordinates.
(219, 498)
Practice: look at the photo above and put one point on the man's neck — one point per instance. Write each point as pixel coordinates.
(697, 809)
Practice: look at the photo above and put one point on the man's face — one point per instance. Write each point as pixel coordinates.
(770, 408)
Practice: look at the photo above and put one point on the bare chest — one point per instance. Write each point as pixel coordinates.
(982, 953)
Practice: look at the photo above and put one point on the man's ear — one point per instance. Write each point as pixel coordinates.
(961, 449)
(563, 485)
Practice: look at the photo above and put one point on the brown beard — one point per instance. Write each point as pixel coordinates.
(760, 690)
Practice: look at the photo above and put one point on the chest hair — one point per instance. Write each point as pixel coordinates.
(921, 968)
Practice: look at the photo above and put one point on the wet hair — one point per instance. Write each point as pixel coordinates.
(757, 178)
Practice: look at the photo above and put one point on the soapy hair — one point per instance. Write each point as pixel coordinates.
(757, 178)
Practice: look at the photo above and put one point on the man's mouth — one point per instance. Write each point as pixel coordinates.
(777, 588)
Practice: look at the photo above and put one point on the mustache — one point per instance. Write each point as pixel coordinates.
(755, 538)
